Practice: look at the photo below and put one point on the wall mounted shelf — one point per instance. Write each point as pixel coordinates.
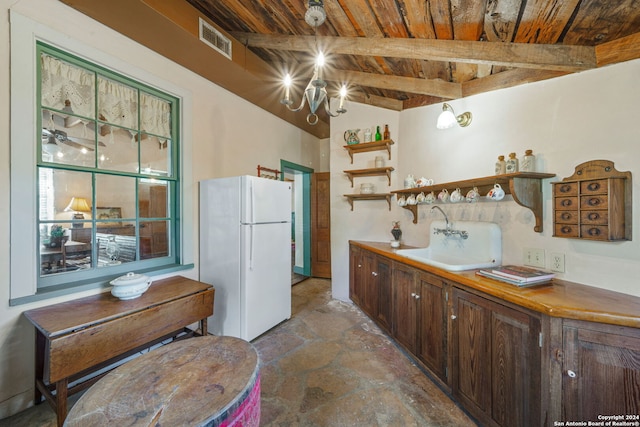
(384, 145)
(375, 196)
(369, 172)
(525, 187)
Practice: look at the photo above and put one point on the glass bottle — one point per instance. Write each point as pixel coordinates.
(501, 166)
(528, 163)
(367, 135)
(512, 163)
(378, 134)
(387, 134)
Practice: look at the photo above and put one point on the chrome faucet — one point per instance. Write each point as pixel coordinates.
(447, 231)
(445, 215)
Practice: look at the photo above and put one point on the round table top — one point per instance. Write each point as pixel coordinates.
(192, 382)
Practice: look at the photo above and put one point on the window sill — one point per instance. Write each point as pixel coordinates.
(79, 286)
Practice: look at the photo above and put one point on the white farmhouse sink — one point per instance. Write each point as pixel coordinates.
(481, 249)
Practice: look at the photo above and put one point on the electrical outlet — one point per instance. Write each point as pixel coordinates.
(557, 262)
(533, 257)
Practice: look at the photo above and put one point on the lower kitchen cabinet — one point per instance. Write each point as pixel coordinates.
(370, 285)
(496, 356)
(601, 371)
(495, 361)
(420, 313)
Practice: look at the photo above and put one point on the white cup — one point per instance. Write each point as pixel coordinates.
(473, 195)
(401, 201)
(411, 200)
(496, 193)
(443, 196)
(456, 196)
(430, 198)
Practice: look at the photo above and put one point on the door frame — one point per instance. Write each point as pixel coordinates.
(286, 166)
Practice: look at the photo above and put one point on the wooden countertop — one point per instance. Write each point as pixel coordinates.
(559, 299)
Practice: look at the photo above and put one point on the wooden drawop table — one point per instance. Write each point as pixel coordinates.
(78, 337)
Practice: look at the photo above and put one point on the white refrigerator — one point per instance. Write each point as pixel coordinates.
(245, 253)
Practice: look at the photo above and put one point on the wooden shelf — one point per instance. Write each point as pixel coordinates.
(525, 187)
(370, 172)
(374, 196)
(385, 144)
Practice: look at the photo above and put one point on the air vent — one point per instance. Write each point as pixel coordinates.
(215, 38)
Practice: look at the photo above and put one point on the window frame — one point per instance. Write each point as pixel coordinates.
(24, 263)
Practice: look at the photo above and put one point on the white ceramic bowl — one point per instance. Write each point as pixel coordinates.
(130, 286)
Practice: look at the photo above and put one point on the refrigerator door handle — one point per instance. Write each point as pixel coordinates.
(251, 247)
(252, 201)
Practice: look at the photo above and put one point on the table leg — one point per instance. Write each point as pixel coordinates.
(40, 344)
(203, 327)
(61, 400)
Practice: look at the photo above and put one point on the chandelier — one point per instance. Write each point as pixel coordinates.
(315, 94)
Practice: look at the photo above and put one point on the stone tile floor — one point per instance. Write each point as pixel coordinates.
(330, 365)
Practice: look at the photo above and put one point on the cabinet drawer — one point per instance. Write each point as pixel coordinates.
(565, 189)
(566, 230)
(566, 217)
(566, 203)
(600, 201)
(594, 232)
(598, 186)
(594, 217)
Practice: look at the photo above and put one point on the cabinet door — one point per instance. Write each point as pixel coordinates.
(369, 298)
(385, 303)
(355, 275)
(601, 371)
(404, 306)
(432, 327)
(496, 358)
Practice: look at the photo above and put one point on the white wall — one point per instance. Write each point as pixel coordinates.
(565, 121)
(229, 136)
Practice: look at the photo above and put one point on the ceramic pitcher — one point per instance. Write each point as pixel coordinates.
(351, 136)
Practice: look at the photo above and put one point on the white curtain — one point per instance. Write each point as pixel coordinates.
(62, 81)
(117, 103)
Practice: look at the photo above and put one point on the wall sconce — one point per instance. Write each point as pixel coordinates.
(448, 118)
(77, 205)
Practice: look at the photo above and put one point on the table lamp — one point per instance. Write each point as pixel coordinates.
(77, 205)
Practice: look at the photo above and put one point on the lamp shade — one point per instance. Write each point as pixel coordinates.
(446, 119)
(78, 204)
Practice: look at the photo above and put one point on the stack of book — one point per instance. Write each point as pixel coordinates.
(517, 275)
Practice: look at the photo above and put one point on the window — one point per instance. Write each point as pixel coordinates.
(107, 172)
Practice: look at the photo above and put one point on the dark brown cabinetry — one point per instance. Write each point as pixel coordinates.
(594, 203)
(419, 316)
(495, 357)
(601, 371)
(371, 285)
(510, 356)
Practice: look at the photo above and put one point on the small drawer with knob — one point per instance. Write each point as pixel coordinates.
(566, 230)
(594, 217)
(566, 217)
(566, 203)
(566, 188)
(598, 186)
(594, 232)
(599, 201)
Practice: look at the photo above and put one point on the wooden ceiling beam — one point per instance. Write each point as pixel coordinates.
(623, 49)
(438, 88)
(519, 55)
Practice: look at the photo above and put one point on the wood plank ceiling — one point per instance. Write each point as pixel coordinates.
(405, 53)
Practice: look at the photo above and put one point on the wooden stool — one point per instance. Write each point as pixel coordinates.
(201, 381)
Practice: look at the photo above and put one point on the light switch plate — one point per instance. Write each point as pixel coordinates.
(533, 257)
